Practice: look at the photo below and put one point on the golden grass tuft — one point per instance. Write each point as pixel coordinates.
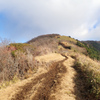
(8, 83)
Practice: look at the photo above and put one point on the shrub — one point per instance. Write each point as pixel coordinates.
(14, 61)
(80, 44)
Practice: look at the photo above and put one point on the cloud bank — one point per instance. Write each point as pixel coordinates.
(22, 20)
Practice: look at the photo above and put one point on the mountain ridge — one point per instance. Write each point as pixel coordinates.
(63, 67)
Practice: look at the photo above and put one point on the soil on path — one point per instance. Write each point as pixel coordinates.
(57, 83)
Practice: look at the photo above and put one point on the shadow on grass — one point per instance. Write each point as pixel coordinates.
(82, 88)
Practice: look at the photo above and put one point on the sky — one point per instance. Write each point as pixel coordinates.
(22, 20)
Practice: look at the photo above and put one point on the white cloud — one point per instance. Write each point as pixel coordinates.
(35, 17)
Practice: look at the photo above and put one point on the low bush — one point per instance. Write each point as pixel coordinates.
(15, 62)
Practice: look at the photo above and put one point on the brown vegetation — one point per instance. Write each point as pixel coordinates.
(44, 44)
(14, 62)
(19, 60)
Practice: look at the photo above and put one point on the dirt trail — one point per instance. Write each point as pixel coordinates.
(68, 90)
(57, 83)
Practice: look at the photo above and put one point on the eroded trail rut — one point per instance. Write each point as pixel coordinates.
(60, 82)
(48, 83)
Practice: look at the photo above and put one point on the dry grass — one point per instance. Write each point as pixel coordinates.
(72, 46)
(66, 38)
(90, 71)
(49, 57)
(8, 92)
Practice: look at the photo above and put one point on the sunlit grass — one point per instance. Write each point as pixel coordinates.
(8, 83)
(67, 38)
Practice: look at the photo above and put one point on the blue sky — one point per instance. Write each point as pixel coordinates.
(22, 20)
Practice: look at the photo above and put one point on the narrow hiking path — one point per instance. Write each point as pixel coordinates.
(57, 83)
(68, 90)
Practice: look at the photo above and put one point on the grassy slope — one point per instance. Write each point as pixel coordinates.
(84, 65)
(95, 44)
(92, 50)
(88, 69)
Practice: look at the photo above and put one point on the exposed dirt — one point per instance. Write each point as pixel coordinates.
(49, 82)
(57, 83)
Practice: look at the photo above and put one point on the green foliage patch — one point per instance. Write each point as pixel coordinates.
(91, 51)
(19, 47)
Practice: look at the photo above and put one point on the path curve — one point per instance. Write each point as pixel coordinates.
(57, 83)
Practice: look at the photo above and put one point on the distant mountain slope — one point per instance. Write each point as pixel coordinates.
(95, 44)
(92, 49)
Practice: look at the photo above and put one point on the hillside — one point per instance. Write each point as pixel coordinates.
(50, 67)
(92, 48)
(95, 44)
